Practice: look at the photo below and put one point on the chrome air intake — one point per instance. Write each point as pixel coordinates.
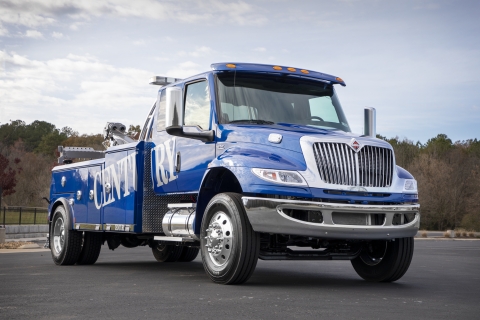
(368, 166)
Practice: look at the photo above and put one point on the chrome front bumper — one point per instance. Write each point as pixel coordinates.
(266, 215)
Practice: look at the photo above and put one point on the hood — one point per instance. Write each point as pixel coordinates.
(258, 134)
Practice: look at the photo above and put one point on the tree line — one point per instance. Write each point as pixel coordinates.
(28, 152)
(447, 172)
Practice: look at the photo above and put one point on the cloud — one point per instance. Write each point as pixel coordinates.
(78, 90)
(197, 52)
(3, 30)
(139, 42)
(260, 49)
(184, 70)
(40, 13)
(33, 34)
(57, 35)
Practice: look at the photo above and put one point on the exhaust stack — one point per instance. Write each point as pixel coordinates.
(370, 119)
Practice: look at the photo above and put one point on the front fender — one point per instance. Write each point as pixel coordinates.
(404, 174)
(68, 209)
(239, 160)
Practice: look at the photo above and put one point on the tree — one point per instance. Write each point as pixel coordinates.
(8, 174)
(134, 131)
(50, 142)
(439, 145)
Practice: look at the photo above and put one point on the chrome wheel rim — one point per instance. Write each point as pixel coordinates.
(219, 238)
(58, 235)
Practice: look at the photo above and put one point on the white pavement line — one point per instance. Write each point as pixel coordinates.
(448, 239)
(22, 250)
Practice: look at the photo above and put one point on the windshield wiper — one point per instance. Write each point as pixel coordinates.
(256, 121)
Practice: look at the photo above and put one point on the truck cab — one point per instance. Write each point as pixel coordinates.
(240, 163)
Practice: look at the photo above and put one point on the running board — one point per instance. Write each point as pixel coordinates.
(174, 239)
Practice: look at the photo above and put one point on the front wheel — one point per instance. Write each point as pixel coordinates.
(228, 243)
(65, 244)
(384, 261)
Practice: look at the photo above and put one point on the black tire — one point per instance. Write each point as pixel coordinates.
(65, 244)
(396, 257)
(166, 252)
(235, 258)
(188, 254)
(92, 244)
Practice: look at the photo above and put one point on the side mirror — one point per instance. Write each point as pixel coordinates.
(369, 122)
(174, 119)
(174, 111)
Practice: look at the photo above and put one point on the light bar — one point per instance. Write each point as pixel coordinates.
(162, 81)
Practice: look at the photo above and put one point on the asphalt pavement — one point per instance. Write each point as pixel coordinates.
(443, 282)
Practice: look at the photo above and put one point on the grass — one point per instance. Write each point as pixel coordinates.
(13, 244)
(28, 217)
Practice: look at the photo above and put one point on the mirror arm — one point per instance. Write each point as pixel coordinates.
(205, 136)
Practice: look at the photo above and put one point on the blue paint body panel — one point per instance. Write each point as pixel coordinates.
(119, 168)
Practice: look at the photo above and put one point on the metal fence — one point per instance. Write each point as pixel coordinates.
(23, 215)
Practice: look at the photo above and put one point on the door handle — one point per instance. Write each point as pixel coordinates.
(178, 164)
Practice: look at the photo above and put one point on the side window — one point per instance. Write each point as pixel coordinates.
(162, 104)
(197, 105)
(147, 126)
(323, 107)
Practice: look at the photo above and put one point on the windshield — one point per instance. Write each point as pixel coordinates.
(269, 99)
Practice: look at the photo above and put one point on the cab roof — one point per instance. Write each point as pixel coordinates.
(254, 67)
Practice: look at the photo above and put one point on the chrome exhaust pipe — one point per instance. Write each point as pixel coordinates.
(369, 123)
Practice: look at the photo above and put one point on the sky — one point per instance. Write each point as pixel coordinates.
(85, 62)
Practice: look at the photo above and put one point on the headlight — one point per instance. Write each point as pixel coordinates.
(410, 185)
(280, 176)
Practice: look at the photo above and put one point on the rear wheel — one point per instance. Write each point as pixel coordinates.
(188, 254)
(92, 244)
(228, 243)
(166, 252)
(65, 244)
(384, 261)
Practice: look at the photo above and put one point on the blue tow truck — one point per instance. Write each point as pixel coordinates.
(243, 162)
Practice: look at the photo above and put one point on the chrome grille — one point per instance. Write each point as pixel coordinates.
(339, 164)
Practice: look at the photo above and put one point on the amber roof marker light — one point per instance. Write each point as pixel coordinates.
(292, 69)
(277, 67)
(304, 71)
(231, 65)
(339, 79)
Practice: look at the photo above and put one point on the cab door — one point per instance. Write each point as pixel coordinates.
(192, 155)
(162, 151)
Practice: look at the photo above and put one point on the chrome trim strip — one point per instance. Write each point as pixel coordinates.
(88, 226)
(118, 227)
(175, 239)
(266, 215)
